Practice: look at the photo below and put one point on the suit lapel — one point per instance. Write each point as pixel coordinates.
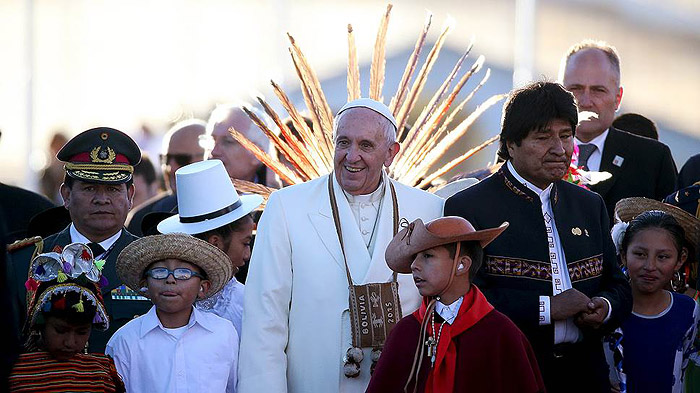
(355, 249)
(611, 149)
(322, 221)
(62, 239)
(110, 268)
(378, 269)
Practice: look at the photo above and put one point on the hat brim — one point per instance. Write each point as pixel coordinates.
(173, 224)
(400, 252)
(136, 257)
(629, 208)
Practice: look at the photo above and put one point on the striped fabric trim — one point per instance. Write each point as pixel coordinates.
(583, 269)
(39, 372)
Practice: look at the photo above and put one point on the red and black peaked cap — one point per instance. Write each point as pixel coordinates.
(100, 155)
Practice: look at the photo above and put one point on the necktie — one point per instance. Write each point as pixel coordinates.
(584, 153)
(97, 250)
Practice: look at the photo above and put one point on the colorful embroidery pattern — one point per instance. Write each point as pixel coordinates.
(516, 267)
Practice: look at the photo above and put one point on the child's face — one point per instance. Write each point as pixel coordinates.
(652, 258)
(431, 270)
(63, 339)
(238, 249)
(174, 296)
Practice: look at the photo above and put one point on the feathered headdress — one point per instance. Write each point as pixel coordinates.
(310, 155)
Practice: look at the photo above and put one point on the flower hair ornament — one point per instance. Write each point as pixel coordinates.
(618, 233)
(65, 282)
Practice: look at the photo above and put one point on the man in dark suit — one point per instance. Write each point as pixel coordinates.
(553, 271)
(640, 167)
(97, 192)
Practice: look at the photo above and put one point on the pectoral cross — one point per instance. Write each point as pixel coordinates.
(431, 343)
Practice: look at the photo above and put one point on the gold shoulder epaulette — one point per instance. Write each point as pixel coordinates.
(19, 244)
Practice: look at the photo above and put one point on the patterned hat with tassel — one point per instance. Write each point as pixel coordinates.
(66, 284)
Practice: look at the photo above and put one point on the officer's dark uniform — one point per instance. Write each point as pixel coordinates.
(99, 155)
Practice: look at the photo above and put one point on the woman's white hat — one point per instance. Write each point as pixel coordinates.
(206, 199)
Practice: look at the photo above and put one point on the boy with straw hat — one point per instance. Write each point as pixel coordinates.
(175, 346)
(456, 341)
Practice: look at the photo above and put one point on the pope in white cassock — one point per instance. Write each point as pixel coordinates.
(296, 319)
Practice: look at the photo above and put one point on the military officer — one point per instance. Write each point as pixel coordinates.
(98, 193)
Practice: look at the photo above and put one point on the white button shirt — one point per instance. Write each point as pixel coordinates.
(152, 359)
(77, 237)
(449, 312)
(227, 303)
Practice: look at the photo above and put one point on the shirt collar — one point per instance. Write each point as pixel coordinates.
(77, 237)
(372, 197)
(598, 141)
(150, 321)
(449, 312)
(543, 194)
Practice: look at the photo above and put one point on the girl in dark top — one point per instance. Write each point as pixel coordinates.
(656, 339)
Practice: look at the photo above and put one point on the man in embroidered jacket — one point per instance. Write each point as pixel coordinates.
(296, 324)
(554, 272)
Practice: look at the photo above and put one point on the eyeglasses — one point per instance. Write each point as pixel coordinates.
(181, 273)
(180, 159)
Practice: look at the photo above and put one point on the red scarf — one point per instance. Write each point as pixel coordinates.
(441, 378)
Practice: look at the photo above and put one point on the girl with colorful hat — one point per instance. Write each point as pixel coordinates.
(65, 304)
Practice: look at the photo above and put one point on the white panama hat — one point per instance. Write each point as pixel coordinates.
(206, 199)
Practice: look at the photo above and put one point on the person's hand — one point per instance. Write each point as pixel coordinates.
(614, 387)
(567, 304)
(595, 314)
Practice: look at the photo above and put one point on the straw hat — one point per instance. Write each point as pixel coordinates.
(206, 199)
(418, 237)
(629, 208)
(134, 259)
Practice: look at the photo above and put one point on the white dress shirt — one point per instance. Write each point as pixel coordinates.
(365, 208)
(153, 359)
(449, 312)
(597, 155)
(227, 303)
(77, 237)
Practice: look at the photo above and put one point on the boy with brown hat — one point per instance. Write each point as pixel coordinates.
(175, 346)
(456, 341)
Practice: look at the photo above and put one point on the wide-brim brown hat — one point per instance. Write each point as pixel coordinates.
(136, 257)
(417, 237)
(629, 208)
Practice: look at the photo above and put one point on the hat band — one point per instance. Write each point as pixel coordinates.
(209, 216)
(98, 167)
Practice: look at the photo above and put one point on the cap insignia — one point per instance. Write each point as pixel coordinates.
(102, 155)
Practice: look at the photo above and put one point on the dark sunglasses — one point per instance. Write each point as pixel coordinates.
(180, 159)
(181, 273)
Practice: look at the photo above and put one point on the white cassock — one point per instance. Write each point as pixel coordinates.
(296, 323)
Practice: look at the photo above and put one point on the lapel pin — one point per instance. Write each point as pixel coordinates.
(576, 231)
(586, 232)
(617, 161)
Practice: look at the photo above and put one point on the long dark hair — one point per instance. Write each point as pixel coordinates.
(656, 219)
